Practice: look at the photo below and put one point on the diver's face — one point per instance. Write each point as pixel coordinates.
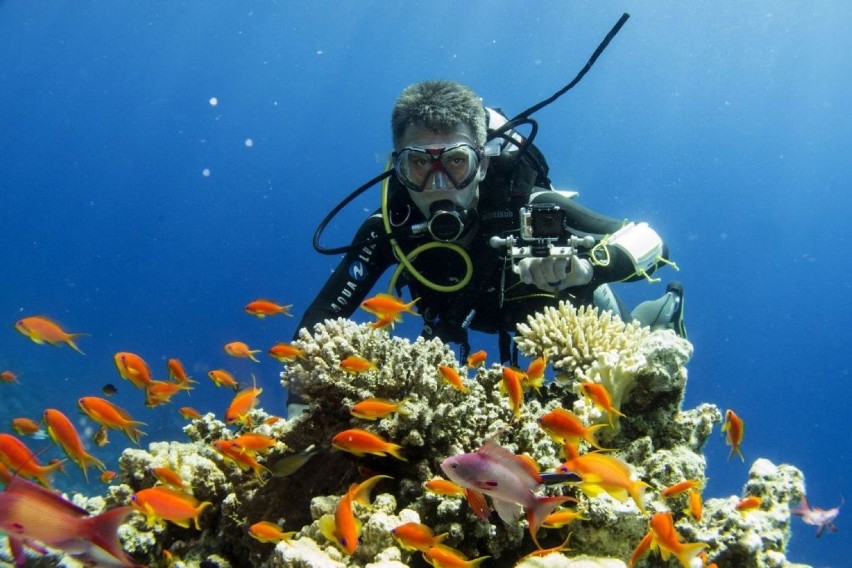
(438, 185)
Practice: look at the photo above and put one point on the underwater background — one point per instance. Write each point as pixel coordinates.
(135, 210)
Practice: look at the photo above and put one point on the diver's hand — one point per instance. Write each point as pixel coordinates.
(554, 273)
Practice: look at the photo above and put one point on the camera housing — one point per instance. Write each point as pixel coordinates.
(542, 222)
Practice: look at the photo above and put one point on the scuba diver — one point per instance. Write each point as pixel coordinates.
(484, 239)
(479, 235)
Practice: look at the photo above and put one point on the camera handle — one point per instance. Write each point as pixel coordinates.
(540, 248)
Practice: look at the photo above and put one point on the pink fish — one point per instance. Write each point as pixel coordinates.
(820, 518)
(508, 479)
(33, 516)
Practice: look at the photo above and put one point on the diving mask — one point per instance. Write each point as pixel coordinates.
(438, 168)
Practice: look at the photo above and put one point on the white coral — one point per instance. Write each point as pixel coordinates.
(573, 339)
(587, 345)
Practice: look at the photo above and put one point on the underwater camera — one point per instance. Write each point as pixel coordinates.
(541, 226)
(542, 222)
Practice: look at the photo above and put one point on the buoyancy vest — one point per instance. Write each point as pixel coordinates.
(509, 181)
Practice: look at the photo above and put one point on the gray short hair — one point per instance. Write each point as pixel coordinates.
(440, 106)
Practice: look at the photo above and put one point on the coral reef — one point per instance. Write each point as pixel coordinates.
(644, 371)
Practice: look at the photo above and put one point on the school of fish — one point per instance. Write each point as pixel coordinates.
(32, 514)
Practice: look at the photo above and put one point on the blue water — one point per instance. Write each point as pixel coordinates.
(723, 124)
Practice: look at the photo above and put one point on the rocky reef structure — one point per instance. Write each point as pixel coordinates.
(644, 371)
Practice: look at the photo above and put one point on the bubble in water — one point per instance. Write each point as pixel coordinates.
(214, 101)
(249, 142)
(205, 172)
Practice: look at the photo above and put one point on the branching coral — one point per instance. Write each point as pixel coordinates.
(573, 339)
(586, 345)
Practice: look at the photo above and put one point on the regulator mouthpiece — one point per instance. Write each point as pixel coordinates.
(447, 221)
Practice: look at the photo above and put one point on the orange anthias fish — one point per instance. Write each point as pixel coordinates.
(111, 416)
(663, 535)
(375, 408)
(566, 428)
(25, 426)
(641, 549)
(265, 531)
(161, 392)
(222, 378)
(285, 353)
(163, 503)
(681, 488)
(561, 518)
(168, 476)
(361, 491)
(361, 442)
(601, 398)
(534, 377)
(385, 321)
(735, 428)
(133, 368)
(417, 536)
(749, 503)
(8, 376)
(386, 304)
(541, 552)
(695, 505)
(240, 349)
(253, 443)
(452, 377)
(604, 474)
(35, 517)
(445, 487)
(357, 364)
(343, 528)
(177, 371)
(63, 433)
(108, 475)
(244, 460)
(513, 386)
(263, 308)
(189, 413)
(44, 330)
(242, 404)
(442, 556)
(476, 359)
(15, 455)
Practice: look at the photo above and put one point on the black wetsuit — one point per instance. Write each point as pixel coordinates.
(495, 300)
